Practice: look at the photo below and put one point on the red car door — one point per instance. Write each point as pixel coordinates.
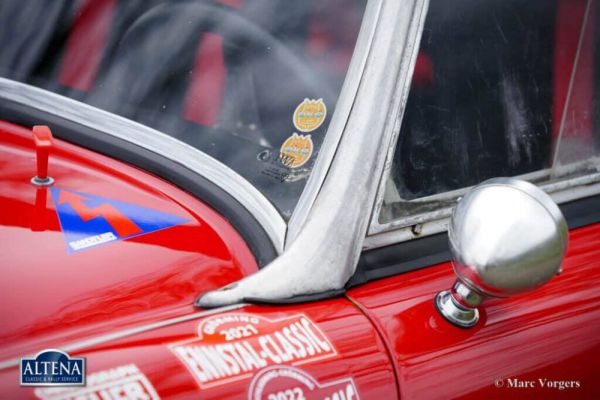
(540, 345)
(499, 89)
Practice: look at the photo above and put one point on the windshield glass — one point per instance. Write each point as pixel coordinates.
(253, 83)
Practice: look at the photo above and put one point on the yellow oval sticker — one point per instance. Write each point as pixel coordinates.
(309, 115)
(296, 150)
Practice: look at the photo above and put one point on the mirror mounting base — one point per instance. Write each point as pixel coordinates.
(463, 314)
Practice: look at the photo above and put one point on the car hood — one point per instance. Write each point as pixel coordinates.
(106, 247)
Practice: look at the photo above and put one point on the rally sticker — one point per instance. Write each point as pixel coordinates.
(121, 383)
(309, 115)
(233, 346)
(296, 150)
(289, 383)
(88, 220)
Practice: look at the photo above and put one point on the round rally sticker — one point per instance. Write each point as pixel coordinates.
(309, 115)
(284, 382)
(296, 150)
(232, 347)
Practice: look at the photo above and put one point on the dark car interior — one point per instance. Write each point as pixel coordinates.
(217, 74)
(487, 99)
(489, 92)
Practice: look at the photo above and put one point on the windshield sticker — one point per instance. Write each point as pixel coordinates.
(309, 115)
(232, 347)
(89, 221)
(274, 383)
(296, 150)
(275, 168)
(121, 383)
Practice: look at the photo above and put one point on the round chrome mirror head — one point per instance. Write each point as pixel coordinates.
(506, 237)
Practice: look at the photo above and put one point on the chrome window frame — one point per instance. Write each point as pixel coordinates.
(433, 222)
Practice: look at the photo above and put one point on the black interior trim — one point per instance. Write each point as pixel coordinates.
(209, 192)
(420, 253)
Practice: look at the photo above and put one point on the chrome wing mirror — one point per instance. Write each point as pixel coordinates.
(506, 237)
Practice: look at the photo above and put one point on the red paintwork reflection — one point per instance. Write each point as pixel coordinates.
(552, 333)
(360, 355)
(50, 297)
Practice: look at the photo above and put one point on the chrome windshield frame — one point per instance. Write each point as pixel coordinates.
(346, 100)
(279, 232)
(157, 142)
(324, 255)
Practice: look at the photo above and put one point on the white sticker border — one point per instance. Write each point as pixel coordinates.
(74, 393)
(304, 374)
(307, 100)
(249, 374)
(300, 136)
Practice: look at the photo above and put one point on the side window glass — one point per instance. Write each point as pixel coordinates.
(500, 88)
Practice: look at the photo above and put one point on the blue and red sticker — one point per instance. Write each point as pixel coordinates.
(88, 221)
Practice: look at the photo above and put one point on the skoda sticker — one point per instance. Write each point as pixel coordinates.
(52, 368)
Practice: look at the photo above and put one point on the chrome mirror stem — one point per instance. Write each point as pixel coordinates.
(459, 305)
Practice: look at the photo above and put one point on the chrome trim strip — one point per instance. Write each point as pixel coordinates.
(338, 121)
(408, 221)
(325, 252)
(87, 343)
(437, 221)
(157, 142)
(534, 176)
(550, 187)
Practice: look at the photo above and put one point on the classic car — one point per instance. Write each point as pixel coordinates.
(267, 199)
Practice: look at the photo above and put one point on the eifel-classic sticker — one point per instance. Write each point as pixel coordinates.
(296, 150)
(310, 115)
(283, 382)
(126, 382)
(231, 347)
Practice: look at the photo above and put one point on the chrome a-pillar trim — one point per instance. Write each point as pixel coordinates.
(338, 121)
(325, 252)
(157, 142)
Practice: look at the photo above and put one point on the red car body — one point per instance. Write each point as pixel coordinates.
(118, 310)
(127, 306)
(118, 290)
